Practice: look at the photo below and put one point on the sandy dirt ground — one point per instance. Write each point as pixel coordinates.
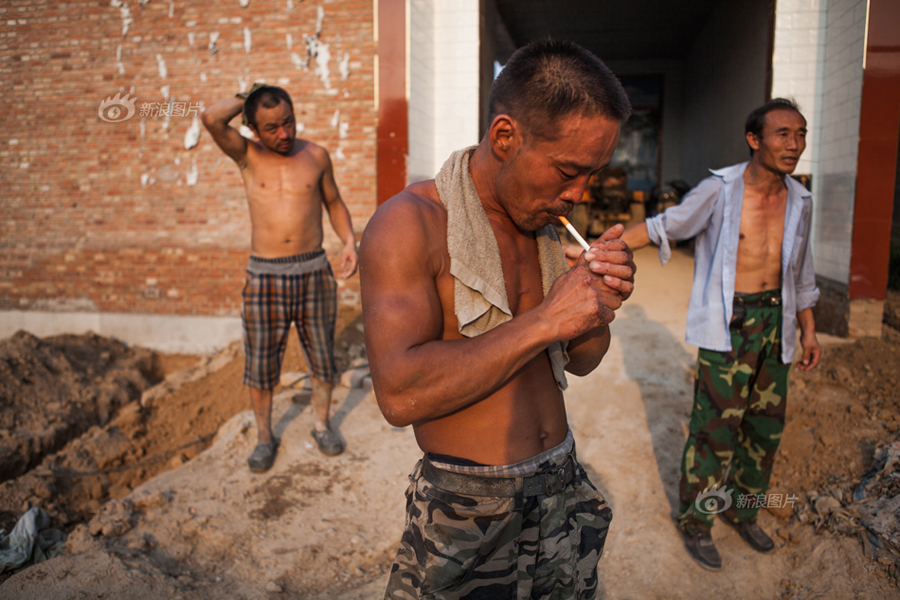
(196, 524)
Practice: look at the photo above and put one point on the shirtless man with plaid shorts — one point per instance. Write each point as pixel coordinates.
(288, 181)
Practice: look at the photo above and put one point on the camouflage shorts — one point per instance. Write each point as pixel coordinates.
(477, 547)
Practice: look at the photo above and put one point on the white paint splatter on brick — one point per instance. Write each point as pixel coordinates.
(289, 41)
(191, 38)
(244, 3)
(243, 83)
(193, 174)
(164, 90)
(126, 18)
(171, 8)
(344, 66)
(143, 127)
(298, 62)
(161, 63)
(246, 132)
(145, 178)
(343, 129)
(320, 16)
(336, 119)
(203, 77)
(323, 55)
(339, 154)
(213, 38)
(283, 81)
(192, 136)
(247, 42)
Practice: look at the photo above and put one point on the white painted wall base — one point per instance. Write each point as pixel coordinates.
(165, 333)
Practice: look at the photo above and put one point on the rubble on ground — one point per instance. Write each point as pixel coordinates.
(868, 510)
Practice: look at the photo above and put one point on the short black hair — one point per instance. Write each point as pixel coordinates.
(756, 121)
(550, 79)
(268, 96)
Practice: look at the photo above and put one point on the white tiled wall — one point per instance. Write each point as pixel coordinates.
(443, 103)
(819, 50)
(421, 90)
(799, 67)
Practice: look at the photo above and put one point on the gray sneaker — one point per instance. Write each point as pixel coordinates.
(702, 549)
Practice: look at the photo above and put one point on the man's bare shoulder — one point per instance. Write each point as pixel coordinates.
(412, 222)
(419, 202)
(313, 150)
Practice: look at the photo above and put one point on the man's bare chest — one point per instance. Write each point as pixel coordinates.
(761, 229)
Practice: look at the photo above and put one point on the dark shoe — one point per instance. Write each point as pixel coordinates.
(702, 549)
(753, 535)
(263, 457)
(329, 442)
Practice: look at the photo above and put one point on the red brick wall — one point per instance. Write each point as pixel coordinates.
(79, 230)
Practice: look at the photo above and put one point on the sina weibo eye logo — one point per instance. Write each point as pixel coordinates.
(713, 501)
(116, 109)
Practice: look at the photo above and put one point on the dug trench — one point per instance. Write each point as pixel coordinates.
(86, 419)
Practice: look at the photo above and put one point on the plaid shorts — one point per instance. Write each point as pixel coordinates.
(296, 289)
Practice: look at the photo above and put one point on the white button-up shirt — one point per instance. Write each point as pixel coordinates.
(712, 212)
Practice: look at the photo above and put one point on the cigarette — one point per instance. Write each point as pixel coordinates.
(575, 234)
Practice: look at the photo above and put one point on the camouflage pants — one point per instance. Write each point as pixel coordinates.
(738, 417)
(492, 548)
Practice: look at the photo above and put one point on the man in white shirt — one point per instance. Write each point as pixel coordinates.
(753, 283)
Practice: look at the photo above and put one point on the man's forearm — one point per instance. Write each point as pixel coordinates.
(439, 377)
(586, 351)
(221, 113)
(636, 236)
(807, 321)
(339, 216)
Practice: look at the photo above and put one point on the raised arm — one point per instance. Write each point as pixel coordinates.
(338, 215)
(417, 375)
(216, 119)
